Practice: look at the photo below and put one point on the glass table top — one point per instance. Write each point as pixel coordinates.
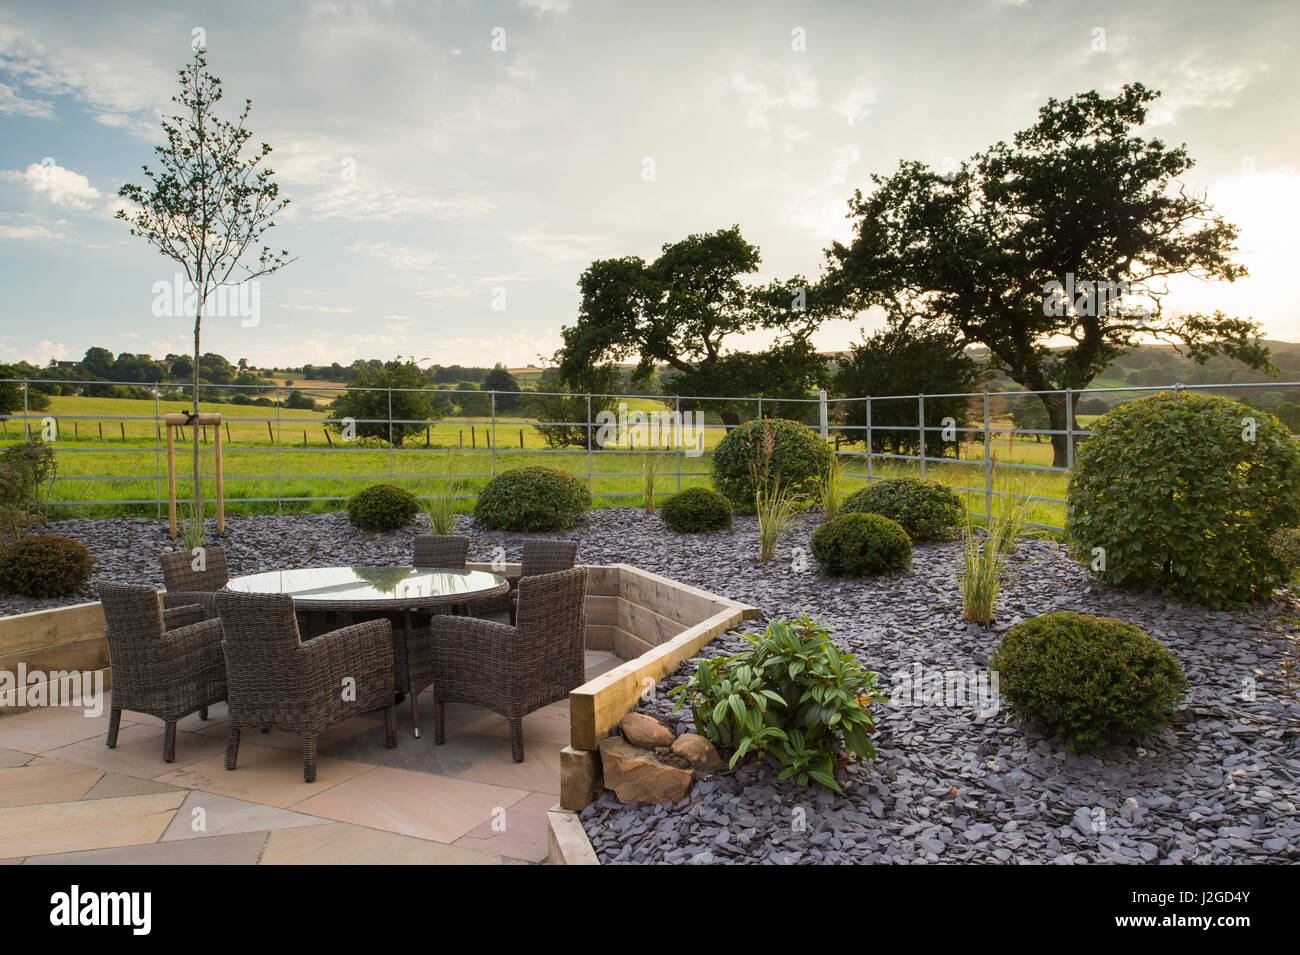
(367, 584)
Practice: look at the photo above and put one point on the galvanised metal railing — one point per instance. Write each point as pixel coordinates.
(50, 427)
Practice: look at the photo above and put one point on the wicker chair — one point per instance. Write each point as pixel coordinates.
(441, 550)
(299, 686)
(542, 557)
(165, 663)
(185, 585)
(514, 670)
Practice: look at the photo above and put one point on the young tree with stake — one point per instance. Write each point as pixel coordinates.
(208, 204)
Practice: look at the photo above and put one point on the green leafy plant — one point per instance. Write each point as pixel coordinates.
(796, 457)
(927, 510)
(794, 696)
(1087, 680)
(45, 565)
(530, 499)
(382, 507)
(860, 545)
(192, 525)
(1182, 493)
(1285, 544)
(27, 472)
(696, 510)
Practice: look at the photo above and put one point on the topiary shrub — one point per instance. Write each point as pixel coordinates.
(696, 509)
(927, 510)
(1182, 492)
(382, 507)
(1087, 680)
(532, 498)
(783, 452)
(859, 545)
(45, 565)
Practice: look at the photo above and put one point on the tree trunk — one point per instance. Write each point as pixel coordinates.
(198, 497)
(1054, 403)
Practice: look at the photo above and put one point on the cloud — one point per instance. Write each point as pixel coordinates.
(333, 309)
(61, 186)
(563, 247)
(28, 233)
(11, 104)
(400, 257)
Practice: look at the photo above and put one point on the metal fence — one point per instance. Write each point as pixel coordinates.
(829, 416)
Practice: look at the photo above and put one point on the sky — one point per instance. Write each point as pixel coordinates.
(453, 167)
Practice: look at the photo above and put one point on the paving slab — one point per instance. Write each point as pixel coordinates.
(13, 757)
(47, 727)
(520, 832)
(88, 824)
(120, 784)
(343, 844)
(239, 849)
(206, 815)
(46, 781)
(438, 808)
(265, 774)
(139, 751)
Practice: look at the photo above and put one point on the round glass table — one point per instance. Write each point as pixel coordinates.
(321, 594)
(377, 589)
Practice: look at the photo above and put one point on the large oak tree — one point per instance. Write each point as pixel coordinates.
(1079, 197)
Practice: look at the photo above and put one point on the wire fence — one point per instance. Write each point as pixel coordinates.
(283, 454)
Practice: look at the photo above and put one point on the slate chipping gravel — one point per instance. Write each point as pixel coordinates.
(1220, 785)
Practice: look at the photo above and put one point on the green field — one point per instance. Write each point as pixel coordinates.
(111, 455)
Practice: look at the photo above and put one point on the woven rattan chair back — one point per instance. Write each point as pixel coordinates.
(179, 573)
(441, 550)
(260, 633)
(547, 557)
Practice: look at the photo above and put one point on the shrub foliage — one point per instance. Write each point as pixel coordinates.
(382, 507)
(531, 498)
(45, 565)
(859, 545)
(794, 695)
(1182, 492)
(781, 452)
(927, 510)
(696, 509)
(1087, 680)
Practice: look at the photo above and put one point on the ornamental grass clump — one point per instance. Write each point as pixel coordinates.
(440, 509)
(793, 696)
(828, 491)
(649, 464)
(984, 552)
(1087, 680)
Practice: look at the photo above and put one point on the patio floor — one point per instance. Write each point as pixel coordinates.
(66, 797)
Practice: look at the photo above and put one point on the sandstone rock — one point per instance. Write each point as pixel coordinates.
(645, 731)
(699, 752)
(637, 775)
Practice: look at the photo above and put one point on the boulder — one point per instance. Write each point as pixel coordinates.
(637, 775)
(645, 731)
(699, 752)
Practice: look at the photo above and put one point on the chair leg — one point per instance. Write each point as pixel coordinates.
(415, 716)
(114, 722)
(169, 741)
(390, 726)
(203, 714)
(309, 759)
(517, 739)
(232, 746)
(439, 722)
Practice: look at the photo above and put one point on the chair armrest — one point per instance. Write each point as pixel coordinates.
(182, 615)
(352, 648)
(180, 598)
(470, 631)
(201, 637)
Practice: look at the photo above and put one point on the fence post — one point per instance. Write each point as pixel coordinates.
(493, 398)
(821, 398)
(868, 440)
(681, 436)
(157, 461)
(390, 435)
(988, 462)
(920, 411)
(26, 429)
(591, 486)
(279, 471)
(1069, 429)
